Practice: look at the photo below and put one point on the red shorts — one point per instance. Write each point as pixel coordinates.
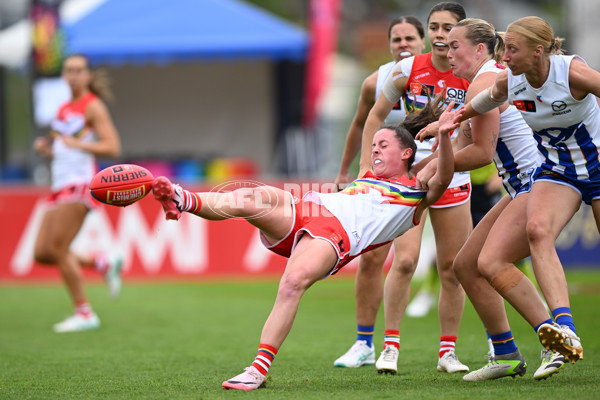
(318, 222)
(452, 197)
(72, 194)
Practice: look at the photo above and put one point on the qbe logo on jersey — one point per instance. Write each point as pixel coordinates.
(456, 95)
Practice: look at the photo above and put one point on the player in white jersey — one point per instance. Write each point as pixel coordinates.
(556, 95)
(321, 232)
(81, 131)
(475, 49)
(406, 37)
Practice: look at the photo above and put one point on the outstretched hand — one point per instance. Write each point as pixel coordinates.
(429, 131)
(448, 121)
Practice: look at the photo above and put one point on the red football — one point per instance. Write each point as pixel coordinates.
(121, 185)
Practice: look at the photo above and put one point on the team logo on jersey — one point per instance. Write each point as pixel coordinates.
(539, 98)
(524, 105)
(420, 89)
(441, 83)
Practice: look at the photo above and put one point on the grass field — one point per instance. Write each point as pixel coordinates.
(181, 340)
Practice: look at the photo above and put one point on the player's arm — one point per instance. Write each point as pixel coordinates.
(354, 136)
(108, 143)
(392, 92)
(445, 171)
(43, 146)
(487, 100)
(583, 79)
(478, 140)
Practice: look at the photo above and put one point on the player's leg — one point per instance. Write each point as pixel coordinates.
(506, 359)
(397, 293)
(488, 304)
(59, 227)
(268, 208)
(545, 221)
(310, 261)
(368, 292)
(451, 227)
(110, 266)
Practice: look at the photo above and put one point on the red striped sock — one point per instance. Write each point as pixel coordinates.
(83, 308)
(447, 343)
(392, 338)
(264, 358)
(191, 202)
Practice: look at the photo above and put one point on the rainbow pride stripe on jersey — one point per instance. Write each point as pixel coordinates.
(391, 193)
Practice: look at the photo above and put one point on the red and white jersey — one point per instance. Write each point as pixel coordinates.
(72, 166)
(373, 211)
(424, 82)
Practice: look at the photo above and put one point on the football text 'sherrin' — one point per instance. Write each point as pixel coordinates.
(123, 177)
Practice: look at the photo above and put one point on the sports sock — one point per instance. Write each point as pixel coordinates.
(562, 316)
(392, 338)
(191, 202)
(504, 343)
(548, 321)
(83, 308)
(264, 358)
(365, 332)
(447, 344)
(100, 263)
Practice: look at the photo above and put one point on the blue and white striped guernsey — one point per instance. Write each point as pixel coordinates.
(567, 131)
(516, 153)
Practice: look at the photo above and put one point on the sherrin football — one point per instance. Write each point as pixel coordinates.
(121, 185)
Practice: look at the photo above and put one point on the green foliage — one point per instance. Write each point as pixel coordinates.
(181, 340)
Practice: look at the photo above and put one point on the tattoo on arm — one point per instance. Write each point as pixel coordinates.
(467, 131)
(494, 139)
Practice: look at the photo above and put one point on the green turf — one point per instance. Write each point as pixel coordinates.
(181, 340)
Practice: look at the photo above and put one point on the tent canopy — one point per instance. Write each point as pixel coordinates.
(159, 31)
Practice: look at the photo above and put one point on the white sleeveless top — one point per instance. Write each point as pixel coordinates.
(516, 152)
(567, 131)
(372, 211)
(71, 166)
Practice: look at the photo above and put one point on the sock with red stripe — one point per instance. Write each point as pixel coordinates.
(447, 344)
(392, 338)
(504, 343)
(562, 316)
(264, 358)
(191, 202)
(83, 308)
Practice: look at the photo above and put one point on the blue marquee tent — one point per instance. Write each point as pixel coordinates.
(159, 31)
